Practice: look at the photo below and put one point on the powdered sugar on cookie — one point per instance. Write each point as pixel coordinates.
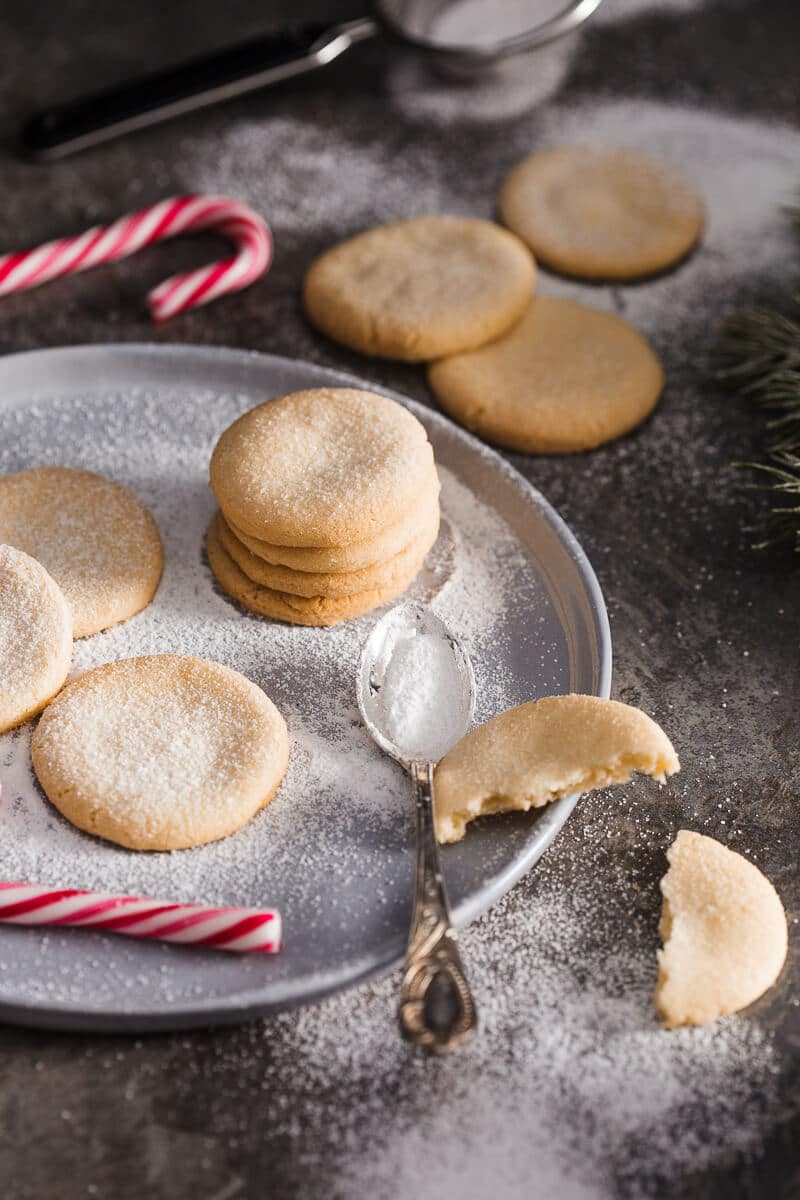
(35, 637)
(95, 538)
(161, 752)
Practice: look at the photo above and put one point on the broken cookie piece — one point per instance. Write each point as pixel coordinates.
(532, 754)
(724, 932)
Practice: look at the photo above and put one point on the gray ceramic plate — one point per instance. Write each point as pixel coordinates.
(334, 849)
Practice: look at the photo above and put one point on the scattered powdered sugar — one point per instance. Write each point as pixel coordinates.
(745, 170)
(333, 849)
(581, 1094)
(613, 11)
(564, 981)
(571, 1090)
(466, 23)
(745, 232)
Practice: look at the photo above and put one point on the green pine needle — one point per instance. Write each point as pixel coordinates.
(759, 358)
(782, 525)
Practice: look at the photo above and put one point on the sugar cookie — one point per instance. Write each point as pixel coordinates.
(723, 929)
(324, 467)
(536, 752)
(298, 610)
(327, 583)
(601, 213)
(95, 538)
(160, 753)
(356, 555)
(35, 637)
(566, 378)
(421, 288)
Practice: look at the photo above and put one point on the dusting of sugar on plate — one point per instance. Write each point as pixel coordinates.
(333, 850)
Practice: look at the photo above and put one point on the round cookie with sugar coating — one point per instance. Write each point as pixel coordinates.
(324, 467)
(724, 932)
(35, 637)
(297, 610)
(330, 583)
(357, 555)
(162, 752)
(566, 378)
(97, 540)
(601, 213)
(532, 754)
(421, 288)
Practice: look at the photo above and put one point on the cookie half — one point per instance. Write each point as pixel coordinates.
(566, 378)
(162, 752)
(422, 288)
(601, 213)
(724, 932)
(35, 637)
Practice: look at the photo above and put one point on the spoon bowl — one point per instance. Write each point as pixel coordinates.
(412, 657)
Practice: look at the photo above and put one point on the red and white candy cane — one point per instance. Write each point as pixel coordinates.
(181, 214)
(244, 930)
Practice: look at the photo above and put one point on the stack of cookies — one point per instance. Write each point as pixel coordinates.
(329, 502)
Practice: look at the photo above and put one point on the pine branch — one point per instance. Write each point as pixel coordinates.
(782, 524)
(759, 358)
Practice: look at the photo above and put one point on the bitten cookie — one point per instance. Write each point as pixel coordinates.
(298, 610)
(723, 929)
(160, 753)
(532, 754)
(35, 637)
(566, 378)
(601, 213)
(324, 467)
(421, 288)
(96, 539)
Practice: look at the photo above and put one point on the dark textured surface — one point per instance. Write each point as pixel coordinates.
(706, 632)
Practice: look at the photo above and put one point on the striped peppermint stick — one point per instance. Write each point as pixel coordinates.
(244, 930)
(182, 214)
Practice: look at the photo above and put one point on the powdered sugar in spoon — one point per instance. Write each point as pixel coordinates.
(416, 694)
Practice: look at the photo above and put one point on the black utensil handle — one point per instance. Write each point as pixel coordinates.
(79, 124)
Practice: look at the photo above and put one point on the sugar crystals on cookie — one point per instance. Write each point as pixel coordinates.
(35, 637)
(98, 541)
(724, 932)
(421, 288)
(338, 480)
(566, 378)
(162, 752)
(601, 213)
(530, 755)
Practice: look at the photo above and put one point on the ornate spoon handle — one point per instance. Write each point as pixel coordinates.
(436, 1006)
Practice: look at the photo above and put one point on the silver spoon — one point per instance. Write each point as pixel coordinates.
(416, 694)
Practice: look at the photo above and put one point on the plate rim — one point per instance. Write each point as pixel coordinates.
(249, 1004)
